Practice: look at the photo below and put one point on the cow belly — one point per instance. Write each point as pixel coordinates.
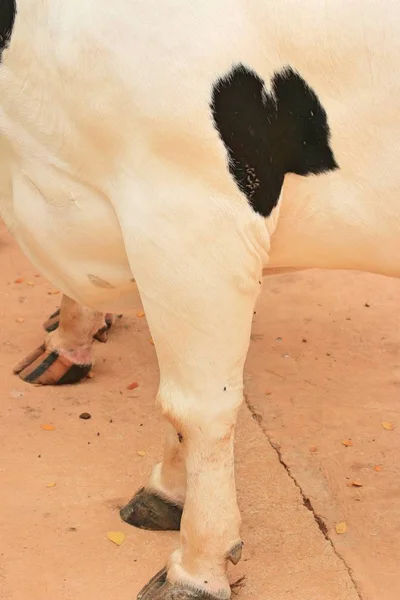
(69, 231)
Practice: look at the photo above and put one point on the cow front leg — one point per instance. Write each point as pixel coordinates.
(201, 333)
(66, 356)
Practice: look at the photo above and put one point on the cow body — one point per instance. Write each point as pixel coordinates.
(113, 171)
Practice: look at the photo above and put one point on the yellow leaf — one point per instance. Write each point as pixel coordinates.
(30, 283)
(53, 292)
(47, 427)
(387, 425)
(140, 314)
(356, 483)
(141, 453)
(151, 342)
(51, 484)
(117, 537)
(347, 443)
(341, 528)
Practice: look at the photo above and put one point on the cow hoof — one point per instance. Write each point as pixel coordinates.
(109, 321)
(159, 588)
(52, 322)
(46, 367)
(147, 510)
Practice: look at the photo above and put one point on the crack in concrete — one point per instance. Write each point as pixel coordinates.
(306, 501)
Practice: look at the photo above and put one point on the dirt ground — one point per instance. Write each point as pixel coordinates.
(323, 369)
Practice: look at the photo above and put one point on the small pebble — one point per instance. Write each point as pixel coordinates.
(85, 416)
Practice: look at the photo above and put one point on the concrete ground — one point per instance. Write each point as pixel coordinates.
(323, 368)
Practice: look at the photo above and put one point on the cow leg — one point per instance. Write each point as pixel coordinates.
(66, 356)
(200, 316)
(52, 323)
(158, 506)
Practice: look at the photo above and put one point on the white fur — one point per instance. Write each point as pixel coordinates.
(110, 166)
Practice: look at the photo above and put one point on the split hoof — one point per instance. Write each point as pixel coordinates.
(102, 333)
(147, 510)
(159, 588)
(46, 367)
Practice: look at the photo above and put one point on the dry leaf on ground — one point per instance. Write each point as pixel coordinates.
(347, 443)
(117, 537)
(133, 385)
(141, 453)
(387, 425)
(341, 527)
(47, 427)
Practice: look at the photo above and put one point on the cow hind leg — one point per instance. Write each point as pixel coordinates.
(158, 506)
(52, 323)
(66, 356)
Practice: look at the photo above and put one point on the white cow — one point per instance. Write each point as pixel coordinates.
(117, 123)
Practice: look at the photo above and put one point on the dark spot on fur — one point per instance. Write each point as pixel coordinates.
(7, 17)
(269, 134)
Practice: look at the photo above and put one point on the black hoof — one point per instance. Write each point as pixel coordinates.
(159, 588)
(52, 322)
(146, 510)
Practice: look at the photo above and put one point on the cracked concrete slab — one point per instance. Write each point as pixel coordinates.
(53, 539)
(324, 368)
